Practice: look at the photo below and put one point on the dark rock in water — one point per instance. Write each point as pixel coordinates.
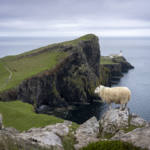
(43, 109)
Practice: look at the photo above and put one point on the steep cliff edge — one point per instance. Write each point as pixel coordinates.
(112, 68)
(72, 80)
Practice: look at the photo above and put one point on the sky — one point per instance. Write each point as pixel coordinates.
(127, 18)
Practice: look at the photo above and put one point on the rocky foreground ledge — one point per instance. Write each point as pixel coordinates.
(114, 125)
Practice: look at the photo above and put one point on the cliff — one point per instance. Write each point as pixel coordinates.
(112, 68)
(125, 65)
(73, 79)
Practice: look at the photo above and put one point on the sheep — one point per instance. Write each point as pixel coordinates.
(117, 95)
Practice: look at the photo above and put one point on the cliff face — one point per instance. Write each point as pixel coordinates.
(125, 65)
(72, 80)
(115, 69)
(105, 76)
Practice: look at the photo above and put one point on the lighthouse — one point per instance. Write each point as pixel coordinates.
(120, 53)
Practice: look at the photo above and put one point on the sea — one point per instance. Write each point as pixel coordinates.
(136, 50)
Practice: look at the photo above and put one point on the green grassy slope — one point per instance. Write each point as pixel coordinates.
(4, 74)
(20, 116)
(28, 66)
(106, 60)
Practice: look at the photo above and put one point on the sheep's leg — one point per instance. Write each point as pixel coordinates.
(125, 105)
(121, 107)
(110, 106)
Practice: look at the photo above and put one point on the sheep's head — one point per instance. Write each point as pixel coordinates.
(97, 90)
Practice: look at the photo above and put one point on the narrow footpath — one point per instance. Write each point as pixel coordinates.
(9, 76)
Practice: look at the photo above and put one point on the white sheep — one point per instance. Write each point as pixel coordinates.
(117, 95)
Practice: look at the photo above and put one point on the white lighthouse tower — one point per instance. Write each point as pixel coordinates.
(120, 53)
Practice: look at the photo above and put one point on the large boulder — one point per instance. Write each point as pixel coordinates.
(61, 129)
(41, 138)
(113, 120)
(139, 137)
(89, 128)
(138, 121)
(87, 133)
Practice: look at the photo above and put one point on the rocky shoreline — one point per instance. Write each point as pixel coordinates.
(114, 125)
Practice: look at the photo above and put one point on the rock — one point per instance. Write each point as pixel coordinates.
(43, 109)
(10, 130)
(61, 129)
(138, 121)
(1, 122)
(40, 138)
(118, 135)
(84, 140)
(113, 120)
(139, 137)
(89, 128)
(68, 123)
(87, 133)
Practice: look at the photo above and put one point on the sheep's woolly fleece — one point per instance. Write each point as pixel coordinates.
(117, 95)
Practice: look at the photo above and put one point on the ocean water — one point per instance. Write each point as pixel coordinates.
(135, 50)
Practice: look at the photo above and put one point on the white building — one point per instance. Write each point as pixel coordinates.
(115, 55)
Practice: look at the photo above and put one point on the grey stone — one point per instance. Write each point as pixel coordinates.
(118, 135)
(41, 138)
(84, 140)
(138, 121)
(89, 128)
(139, 137)
(10, 130)
(113, 120)
(87, 133)
(60, 129)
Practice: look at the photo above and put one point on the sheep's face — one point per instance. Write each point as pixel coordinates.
(97, 90)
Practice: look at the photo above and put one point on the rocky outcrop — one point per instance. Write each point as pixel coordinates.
(138, 121)
(125, 65)
(115, 69)
(40, 137)
(87, 133)
(72, 80)
(113, 120)
(139, 137)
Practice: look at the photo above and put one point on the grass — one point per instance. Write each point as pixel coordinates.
(69, 140)
(72, 42)
(111, 145)
(4, 74)
(26, 67)
(75, 42)
(130, 127)
(20, 116)
(106, 60)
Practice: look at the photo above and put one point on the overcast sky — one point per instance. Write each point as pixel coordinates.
(74, 17)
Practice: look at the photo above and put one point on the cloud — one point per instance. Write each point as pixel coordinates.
(74, 17)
